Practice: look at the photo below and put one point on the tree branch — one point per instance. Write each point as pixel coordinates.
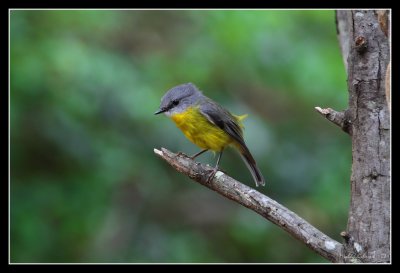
(256, 201)
(338, 118)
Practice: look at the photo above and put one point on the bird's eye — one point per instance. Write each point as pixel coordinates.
(175, 102)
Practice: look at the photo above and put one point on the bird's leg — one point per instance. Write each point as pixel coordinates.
(214, 171)
(199, 153)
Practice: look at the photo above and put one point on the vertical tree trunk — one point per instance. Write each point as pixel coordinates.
(365, 47)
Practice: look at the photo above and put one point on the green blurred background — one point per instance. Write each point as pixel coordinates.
(85, 183)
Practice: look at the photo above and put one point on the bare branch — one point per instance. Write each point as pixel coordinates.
(256, 201)
(338, 118)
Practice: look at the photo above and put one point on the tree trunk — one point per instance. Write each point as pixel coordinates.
(365, 47)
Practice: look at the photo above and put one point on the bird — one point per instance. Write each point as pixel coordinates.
(208, 125)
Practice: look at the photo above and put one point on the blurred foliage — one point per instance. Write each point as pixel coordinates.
(85, 183)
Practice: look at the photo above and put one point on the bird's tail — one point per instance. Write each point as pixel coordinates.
(251, 165)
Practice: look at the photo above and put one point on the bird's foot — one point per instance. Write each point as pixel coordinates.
(181, 154)
(212, 174)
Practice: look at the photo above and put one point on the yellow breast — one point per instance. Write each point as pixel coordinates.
(200, 131)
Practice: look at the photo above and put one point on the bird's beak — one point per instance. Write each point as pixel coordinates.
(159, 111)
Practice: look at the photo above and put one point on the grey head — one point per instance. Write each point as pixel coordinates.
(178, 99)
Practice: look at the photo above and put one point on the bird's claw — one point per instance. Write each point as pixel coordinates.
(211, 176)
(181, 154)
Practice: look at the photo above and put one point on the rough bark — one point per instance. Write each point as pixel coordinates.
(341, 119)
(363, 40)
(258, 202)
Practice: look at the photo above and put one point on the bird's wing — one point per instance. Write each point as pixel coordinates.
(223, 119)
(229, 124)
